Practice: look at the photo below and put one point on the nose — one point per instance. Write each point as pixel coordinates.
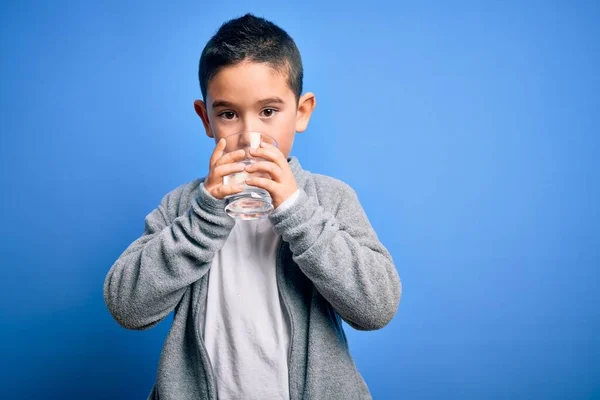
(251, 122)
(249, 139)
(250, 126)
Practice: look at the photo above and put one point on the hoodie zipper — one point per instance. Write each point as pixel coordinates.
(279, 271)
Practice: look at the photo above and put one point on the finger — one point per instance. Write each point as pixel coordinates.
(266, 167)
(231, 157)
(268, 184)
(270, 153)
(217, 152)
(226, 169)
(227, 190)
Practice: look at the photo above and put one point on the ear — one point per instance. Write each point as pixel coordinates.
(306, 105)
(200, 108)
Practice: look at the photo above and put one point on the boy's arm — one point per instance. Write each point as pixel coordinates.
(343, 257)
(147, 281)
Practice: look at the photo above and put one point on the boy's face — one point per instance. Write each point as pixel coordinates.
(253, 96)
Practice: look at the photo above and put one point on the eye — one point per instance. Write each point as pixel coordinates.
(268, 112)
(227, 115)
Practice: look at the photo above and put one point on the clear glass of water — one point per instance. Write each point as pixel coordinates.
(252, 202)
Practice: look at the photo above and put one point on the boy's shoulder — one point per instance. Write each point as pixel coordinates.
(179, 199)
(332, 192)
(326, 183)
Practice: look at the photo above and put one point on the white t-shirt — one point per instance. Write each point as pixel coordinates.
(246, 332)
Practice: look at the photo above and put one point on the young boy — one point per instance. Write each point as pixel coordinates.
(258, 305)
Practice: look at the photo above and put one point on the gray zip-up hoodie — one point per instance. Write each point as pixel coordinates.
(330, 266)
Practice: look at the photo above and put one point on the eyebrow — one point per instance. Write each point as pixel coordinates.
(269, 100)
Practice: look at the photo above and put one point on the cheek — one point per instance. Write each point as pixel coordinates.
(289, 121)
(224, 128)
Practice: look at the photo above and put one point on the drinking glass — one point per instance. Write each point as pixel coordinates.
(252, 202)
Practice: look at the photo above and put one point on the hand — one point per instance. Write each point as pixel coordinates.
(222, 165)
(283, 184)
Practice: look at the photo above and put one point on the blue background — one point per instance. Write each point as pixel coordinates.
(470, 131)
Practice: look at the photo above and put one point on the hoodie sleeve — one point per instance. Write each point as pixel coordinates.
(149, 278)
(343, 257)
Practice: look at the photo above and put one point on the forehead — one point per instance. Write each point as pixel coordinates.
(248, 82)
